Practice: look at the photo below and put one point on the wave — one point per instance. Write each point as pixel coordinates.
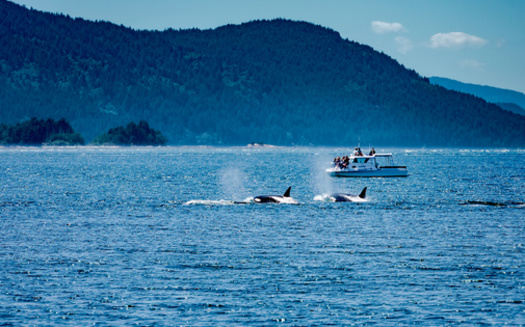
(494, 204)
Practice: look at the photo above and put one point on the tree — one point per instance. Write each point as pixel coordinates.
(39, 131)
(132, 134)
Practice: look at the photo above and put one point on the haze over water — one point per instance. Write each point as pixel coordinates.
(106, 236)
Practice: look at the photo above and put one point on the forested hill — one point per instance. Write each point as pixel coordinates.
(279, 81)
(501, 97)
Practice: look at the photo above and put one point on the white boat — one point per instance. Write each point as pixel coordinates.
(376, 165)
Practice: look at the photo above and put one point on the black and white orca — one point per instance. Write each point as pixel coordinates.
(343, 197)
(285, 198)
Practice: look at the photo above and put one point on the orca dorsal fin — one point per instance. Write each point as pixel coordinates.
(287, 193)
(363, 193)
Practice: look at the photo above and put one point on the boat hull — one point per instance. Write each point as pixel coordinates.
(380, 172)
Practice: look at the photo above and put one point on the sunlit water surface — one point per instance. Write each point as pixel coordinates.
(170, 236)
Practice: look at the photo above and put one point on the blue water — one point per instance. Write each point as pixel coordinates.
(153, 237)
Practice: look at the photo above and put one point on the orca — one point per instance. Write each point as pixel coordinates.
(285, 198)
(343, 197)
(487, 203)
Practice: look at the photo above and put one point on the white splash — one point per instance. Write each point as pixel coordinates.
(324, 198)
(288, 200)
(209, 202)
(329, 198)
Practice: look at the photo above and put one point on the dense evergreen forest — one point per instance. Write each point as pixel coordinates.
(277, 82)
(38, 132)
(132, 134)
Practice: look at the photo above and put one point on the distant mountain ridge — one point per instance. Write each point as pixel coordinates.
(512, 107)
(274, 82)
(504, 98)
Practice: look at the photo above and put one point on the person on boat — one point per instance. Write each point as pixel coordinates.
(346, 161)
(356, 153)
(372, 152)
(359, 152)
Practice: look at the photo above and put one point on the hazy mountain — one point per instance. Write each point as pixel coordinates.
(279, 81)
(512, 107)
(504, 98)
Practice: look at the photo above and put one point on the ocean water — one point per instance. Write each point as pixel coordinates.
(171, 237)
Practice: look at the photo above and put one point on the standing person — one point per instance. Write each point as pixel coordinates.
(372, 152)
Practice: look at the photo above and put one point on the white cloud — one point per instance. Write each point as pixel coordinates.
(384, 27)
(404, 44)
(455, 40)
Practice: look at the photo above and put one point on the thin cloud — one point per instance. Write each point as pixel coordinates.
(501, 43)
(404, 45)
(384, 27)
(472, 64)
(455, 40)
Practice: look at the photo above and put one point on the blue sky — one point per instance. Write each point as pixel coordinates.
(473, 41)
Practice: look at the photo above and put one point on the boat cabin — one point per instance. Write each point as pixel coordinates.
(377, 165)
(378, 160)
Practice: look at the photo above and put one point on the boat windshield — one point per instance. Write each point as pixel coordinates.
(361, 160)
(385, 160)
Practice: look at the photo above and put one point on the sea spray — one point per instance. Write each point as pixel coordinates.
(232, 182)
(321, 182)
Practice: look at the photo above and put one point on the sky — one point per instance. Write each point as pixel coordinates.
(472, 41)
